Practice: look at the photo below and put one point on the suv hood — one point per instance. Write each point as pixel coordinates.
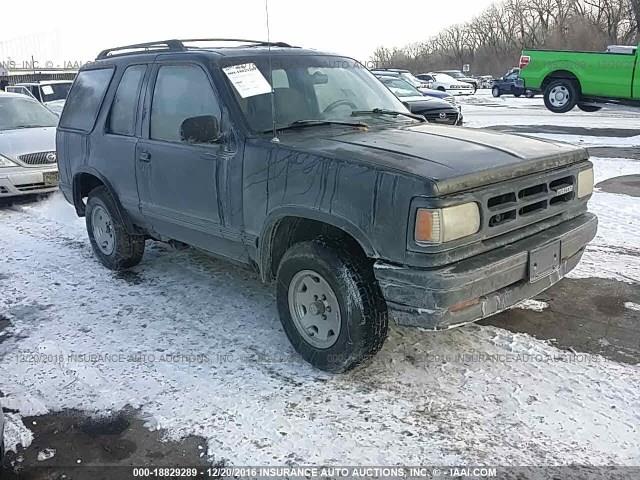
(14, 143)
(452, 159)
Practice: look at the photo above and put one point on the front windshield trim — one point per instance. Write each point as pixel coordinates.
(310, 87)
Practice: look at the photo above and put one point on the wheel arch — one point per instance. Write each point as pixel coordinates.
(288, 226)
(87, 179)
(561, 75)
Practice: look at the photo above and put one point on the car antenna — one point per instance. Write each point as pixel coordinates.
(275, 138)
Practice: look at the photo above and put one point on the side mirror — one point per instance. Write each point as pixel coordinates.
(202, 129)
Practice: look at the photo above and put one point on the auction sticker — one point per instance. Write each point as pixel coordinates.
(247, 80)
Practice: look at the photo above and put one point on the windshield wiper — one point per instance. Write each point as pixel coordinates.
(382, 111)
(316, 123)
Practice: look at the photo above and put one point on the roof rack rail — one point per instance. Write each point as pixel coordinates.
(178, 46)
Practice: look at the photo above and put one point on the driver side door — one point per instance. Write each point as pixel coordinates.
(178, 180)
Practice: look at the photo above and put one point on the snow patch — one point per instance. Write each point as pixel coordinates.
(535, 305)
(46, 454)
(16, 433)
(632, 306)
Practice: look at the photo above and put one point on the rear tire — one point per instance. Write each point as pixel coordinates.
(330, 305)
(495, 91)
(561, 95)
(589, 108)
(112, 244)
(442, 89)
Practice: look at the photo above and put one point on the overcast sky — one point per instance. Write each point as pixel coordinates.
(70, 30)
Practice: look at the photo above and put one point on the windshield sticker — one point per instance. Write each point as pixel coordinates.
(47, 89)
(247, 80)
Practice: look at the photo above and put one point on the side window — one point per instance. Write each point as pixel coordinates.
(180, 92)
(122, 119)
(82, 105)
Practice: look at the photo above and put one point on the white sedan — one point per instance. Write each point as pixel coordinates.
(27, 147)
(446, 83)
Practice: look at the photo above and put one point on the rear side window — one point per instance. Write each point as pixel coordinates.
(181, 92)
(82, 106)
(122, 119)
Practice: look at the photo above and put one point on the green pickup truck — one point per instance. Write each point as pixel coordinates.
(585, 79)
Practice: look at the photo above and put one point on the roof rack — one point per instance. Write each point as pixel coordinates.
(179, 46)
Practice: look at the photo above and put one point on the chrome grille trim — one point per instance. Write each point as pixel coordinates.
(38, 158)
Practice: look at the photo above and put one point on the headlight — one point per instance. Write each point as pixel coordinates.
(5, 162)
(585, 183)
(445, 224)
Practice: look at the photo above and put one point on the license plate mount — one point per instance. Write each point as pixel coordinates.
(544, 261)
(50, 179)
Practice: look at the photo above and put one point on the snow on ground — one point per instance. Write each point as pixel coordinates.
(482, 110)
(531, 304)
(195, 345)
(615, 252)
(592, 141)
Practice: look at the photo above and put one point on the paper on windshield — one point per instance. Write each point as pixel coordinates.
(247, 80)
(47, 89)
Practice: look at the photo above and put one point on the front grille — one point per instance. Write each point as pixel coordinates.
(30, 187)
(38, 158)
(541, 198)
(448, 117)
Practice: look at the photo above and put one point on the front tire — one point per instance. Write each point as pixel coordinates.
(330, 305)
(495, 91)
(561, 95)
(112, 244)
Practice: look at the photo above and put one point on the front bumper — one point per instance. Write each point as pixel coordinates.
(460, 91)
(498, 279)
(25, 181)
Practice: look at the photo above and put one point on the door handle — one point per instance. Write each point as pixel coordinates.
(144, 157)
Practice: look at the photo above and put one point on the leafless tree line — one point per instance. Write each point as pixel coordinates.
(491, 43)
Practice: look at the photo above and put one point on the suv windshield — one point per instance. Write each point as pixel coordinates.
(55, 91)
(317, 88)
(400, 87)
(22, 112)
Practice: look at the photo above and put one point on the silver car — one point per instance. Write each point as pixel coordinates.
(27, 147)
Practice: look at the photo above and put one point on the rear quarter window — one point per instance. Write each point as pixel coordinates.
(82, 106)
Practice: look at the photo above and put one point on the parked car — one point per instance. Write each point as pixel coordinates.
(433, 109)
(461, 77)
(567, 79)
(445, 83)
(27, 147)
(51, 93)
(511, 84)
(486, 81)
(427, 92)
(324, 182)
(405, 75)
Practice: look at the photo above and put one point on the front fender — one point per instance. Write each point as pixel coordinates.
(276, 215)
